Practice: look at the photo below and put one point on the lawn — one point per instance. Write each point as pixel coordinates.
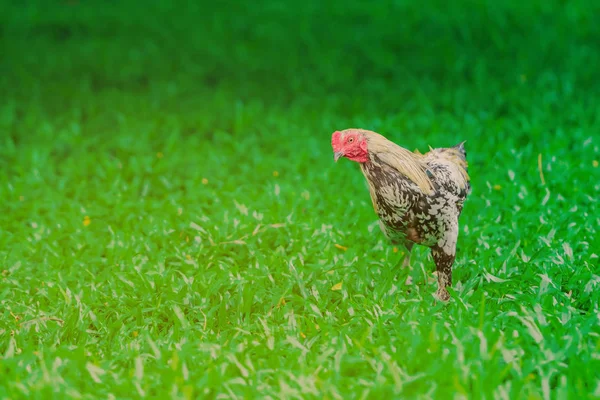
(173, 225)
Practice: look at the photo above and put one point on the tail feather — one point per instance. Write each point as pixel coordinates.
(461, 150)
(454, 160)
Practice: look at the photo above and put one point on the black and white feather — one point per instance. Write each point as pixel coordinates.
(419, 197)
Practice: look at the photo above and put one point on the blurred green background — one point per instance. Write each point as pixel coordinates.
(170, 207)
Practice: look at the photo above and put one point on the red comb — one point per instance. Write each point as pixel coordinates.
(335, 139)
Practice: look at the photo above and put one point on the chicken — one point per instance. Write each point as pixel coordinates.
(418, 197)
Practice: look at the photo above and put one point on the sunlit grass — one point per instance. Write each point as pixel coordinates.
(173, 223)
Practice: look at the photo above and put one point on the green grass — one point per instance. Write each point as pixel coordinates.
(172, 222)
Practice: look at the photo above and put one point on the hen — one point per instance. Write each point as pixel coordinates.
(418, 197)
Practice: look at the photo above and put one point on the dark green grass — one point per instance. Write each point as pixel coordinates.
(170, 207)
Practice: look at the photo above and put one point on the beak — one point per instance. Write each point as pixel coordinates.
(337, 155)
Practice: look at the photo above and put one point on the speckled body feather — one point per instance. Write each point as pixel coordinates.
(418, 197)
